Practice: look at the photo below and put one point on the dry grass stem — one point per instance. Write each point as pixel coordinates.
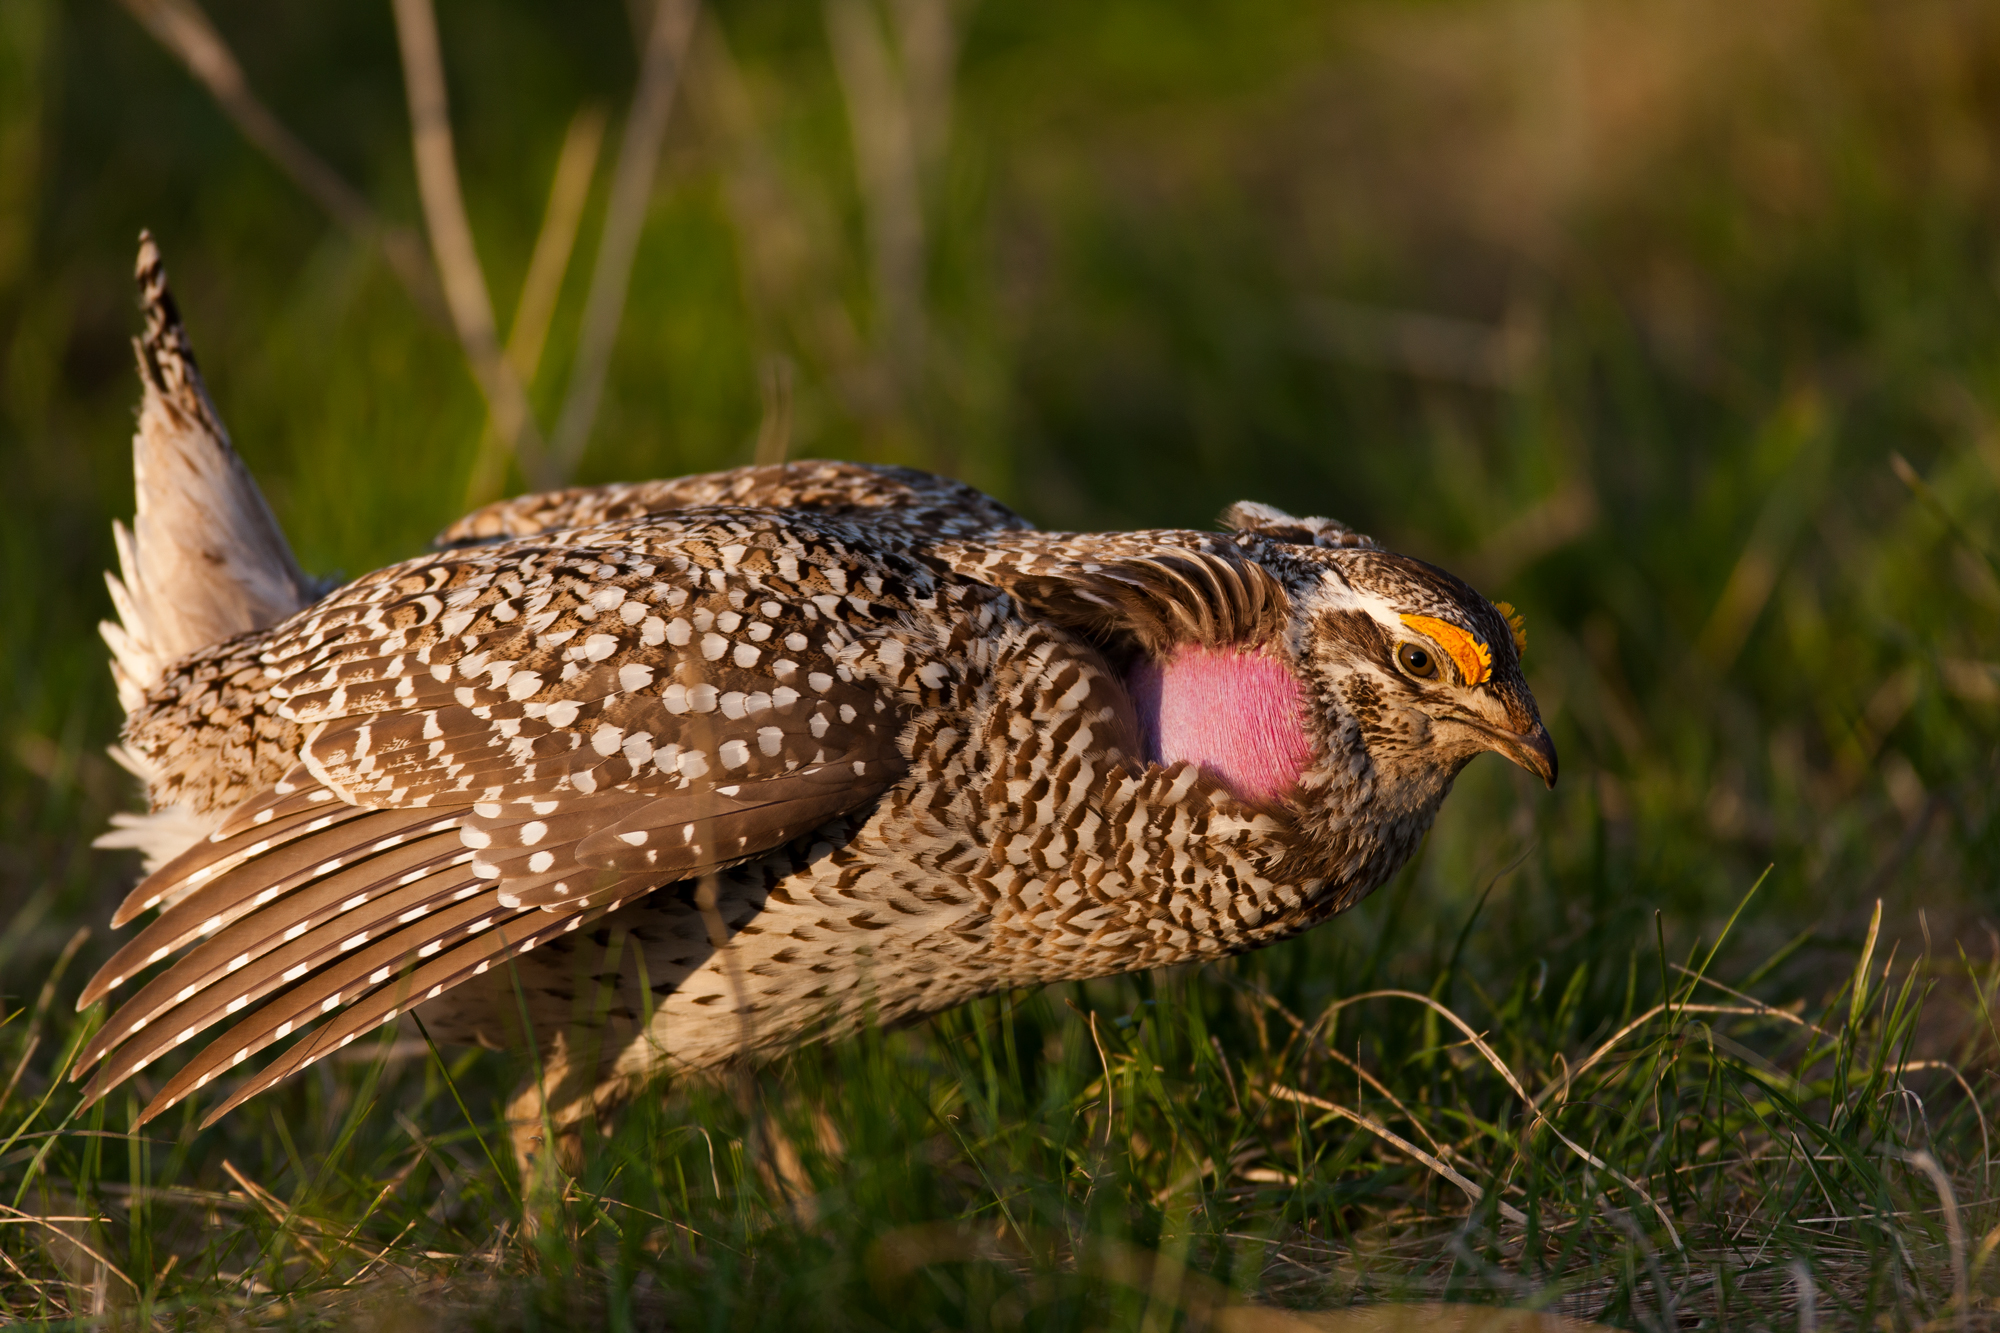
(452, 245)
(13, 1080)
(1500, 1067)
(1559, 1089)
(879, 116)
(576, 164)
(274, 1206)
(182, 27)
(528, 334)
(1401, 1144)
(1954, 1230)
(625, 215)
(774, 429)
(50, 1224)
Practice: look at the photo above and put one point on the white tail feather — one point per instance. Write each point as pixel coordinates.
(204, 559)
(158, 837)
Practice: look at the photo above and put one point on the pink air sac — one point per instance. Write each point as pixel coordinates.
(1237, 713)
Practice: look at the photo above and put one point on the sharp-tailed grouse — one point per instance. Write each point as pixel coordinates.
(704, 767)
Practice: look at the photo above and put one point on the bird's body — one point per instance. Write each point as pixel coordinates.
(695, 770)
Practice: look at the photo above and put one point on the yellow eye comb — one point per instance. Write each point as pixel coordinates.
(1516, 622)
(1475, 661)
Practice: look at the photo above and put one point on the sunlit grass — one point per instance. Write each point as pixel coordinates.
(1632, 1140)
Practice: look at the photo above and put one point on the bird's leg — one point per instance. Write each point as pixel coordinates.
(546, 1117)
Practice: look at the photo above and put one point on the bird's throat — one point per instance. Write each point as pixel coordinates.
(1239, 713)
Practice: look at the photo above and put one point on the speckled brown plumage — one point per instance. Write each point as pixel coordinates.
(899, 495)
(714, 765)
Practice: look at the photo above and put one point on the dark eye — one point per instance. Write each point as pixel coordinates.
(1417, 661)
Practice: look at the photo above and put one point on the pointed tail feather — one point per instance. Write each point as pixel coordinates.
(204, 559)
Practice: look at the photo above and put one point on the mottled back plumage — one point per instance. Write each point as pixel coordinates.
(801, 746)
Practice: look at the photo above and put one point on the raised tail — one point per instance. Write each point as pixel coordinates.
(204, 559)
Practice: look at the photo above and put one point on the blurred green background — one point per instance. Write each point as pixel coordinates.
(1619, 309)
(1676, 323)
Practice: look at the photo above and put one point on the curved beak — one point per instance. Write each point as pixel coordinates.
(1508, 723)
(1531, 749)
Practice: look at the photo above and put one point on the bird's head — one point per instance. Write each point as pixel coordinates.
(1324, 673)
(1419, 671)
(1425, 670)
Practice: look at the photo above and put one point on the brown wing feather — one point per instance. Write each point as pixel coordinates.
(225, 849)
(294, 934)
(1161, 599)
(376, 1004)
(297, 793)
(693, 837)
(939, 504)
(569, 681)
(258, 880)
(590, 720)
(358, 974)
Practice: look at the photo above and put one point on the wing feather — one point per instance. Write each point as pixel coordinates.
(528, 732)
(396, 955)
(224, 850)
(378, 1003)
(297, 793)
(291, 937)
(261, 879)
